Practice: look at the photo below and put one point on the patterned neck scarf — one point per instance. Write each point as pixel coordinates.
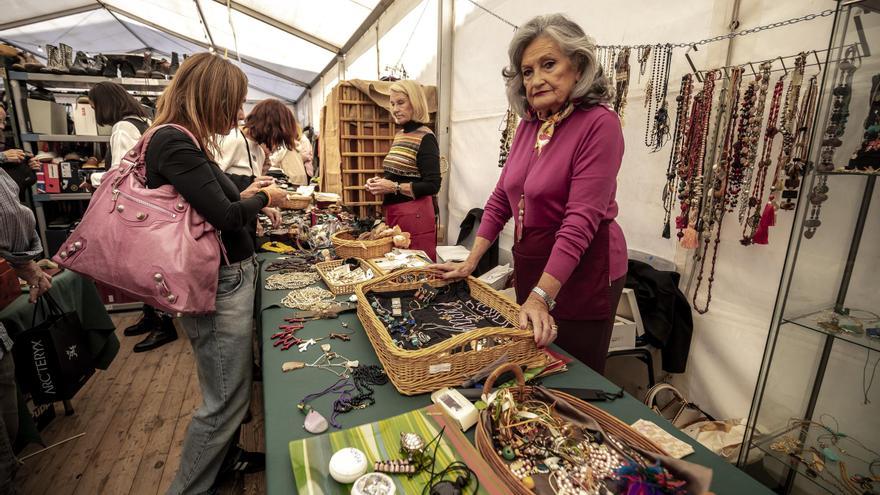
(548, 126)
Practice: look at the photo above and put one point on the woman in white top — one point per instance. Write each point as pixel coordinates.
(114, 105)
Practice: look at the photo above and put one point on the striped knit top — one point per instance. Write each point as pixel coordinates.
(414, 158)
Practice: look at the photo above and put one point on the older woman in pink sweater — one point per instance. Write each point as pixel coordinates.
(559, 185)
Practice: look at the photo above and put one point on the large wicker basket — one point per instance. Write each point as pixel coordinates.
(347, 246)
(454, 360)
(608, 423)
(325, 267)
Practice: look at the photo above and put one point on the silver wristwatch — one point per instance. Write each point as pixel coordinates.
(551, 303)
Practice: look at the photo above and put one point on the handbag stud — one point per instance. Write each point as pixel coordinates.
(78, 245)
(63, 255)
(120, 208)
(180, 206)
(141, 215)
(158, 277)
(171, 298)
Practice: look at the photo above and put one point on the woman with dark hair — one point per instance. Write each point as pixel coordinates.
(117, 107)
(273, 123)
(205, 97)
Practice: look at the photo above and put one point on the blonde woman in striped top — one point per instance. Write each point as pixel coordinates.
(411, 169)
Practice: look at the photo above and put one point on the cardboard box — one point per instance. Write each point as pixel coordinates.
(623, 336)
(47, 117)
(497, 277)
(452, 254)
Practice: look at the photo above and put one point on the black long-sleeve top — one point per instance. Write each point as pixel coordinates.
(428, 163)
(173, 158)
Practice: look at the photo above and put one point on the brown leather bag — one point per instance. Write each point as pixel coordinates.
(9, 287)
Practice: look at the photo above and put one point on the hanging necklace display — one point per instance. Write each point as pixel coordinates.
(508, 129)
(683, 102)
(621, 76)
(786, 129)
(753, 136)
(644, 53)
(842, 94)
(657, 121)
(690, 172)
(867, 157)
(796, 168)
(753, 209)
(715, 207)
(746, 149)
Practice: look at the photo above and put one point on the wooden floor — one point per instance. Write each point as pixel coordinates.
(134, 416)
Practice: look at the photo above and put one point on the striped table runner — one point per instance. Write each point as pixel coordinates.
(310, 457)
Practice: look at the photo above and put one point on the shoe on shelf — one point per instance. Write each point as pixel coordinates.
(54, 65)
(80, 64)
(175, 64)
(160, 336)
(146, 69)
(96, 65)
(66, 53)
(31, 64)
(126, 69)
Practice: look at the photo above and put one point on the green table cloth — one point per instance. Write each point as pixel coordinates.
(282, 391)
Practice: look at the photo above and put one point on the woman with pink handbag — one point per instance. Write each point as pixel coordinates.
(205, 97)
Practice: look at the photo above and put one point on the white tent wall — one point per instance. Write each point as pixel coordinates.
(728, 341)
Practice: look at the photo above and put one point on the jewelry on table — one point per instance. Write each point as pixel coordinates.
(345, 275)
(291, 280)
(308, 299)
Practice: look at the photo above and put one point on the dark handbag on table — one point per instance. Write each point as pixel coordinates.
(52, 358)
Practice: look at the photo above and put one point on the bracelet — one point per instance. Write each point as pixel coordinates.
(268, 197)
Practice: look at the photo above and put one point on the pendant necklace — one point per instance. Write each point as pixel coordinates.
(683, 102)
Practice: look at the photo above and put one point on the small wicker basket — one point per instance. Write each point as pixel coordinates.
(347, 246)
(609, 424)
(325, 267)
(296, 202)
(454, 360)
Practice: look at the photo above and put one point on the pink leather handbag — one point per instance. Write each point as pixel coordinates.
(149, 243)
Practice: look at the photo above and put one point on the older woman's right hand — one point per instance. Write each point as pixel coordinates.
(276, 194)
(454, 271)
(14, 156)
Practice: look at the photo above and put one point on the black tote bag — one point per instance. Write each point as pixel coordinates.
(52, 358)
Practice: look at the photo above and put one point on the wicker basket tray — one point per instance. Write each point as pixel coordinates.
(296, 202)
(325, 267)
(454, 360)
(608, 423)
(347, 246)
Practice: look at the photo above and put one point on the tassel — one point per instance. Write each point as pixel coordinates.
(768, 219)
(666, 231)
(690, 239)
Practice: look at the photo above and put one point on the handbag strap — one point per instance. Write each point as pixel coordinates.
(46, 301)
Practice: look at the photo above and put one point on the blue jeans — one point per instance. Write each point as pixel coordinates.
(8, 424)
(221, 343)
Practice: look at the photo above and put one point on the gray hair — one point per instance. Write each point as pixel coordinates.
(592, 88)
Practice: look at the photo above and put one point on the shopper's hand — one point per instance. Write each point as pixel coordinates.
(377, 186)
(35, 165)
(274, 216)
(454, 271)
(535, 310)
(255, 187)
(14, 155)
(39, 281)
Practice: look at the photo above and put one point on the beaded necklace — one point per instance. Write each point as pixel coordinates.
(753, 216)
(691, 187)
(797, 166)
(508, 130)
(290, 280)
(753, 133)
(683, 102)
(644, 54)
(715, 207)
(836, 126)
(741, 147)
(657, 122)
(621, 75)
(308, 299)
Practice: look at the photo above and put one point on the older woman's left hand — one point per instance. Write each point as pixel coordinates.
(535, 310)
(381, 186)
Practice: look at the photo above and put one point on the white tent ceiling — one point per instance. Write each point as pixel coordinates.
(282, 45)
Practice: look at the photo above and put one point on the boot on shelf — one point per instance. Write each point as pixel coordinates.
(66, 56)
(110, 66)
(146, 69)
(126, 69)
(31, 64)
(96, 65)
(53, 60)
(175, 64)
(80, 64)
(160, 68)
